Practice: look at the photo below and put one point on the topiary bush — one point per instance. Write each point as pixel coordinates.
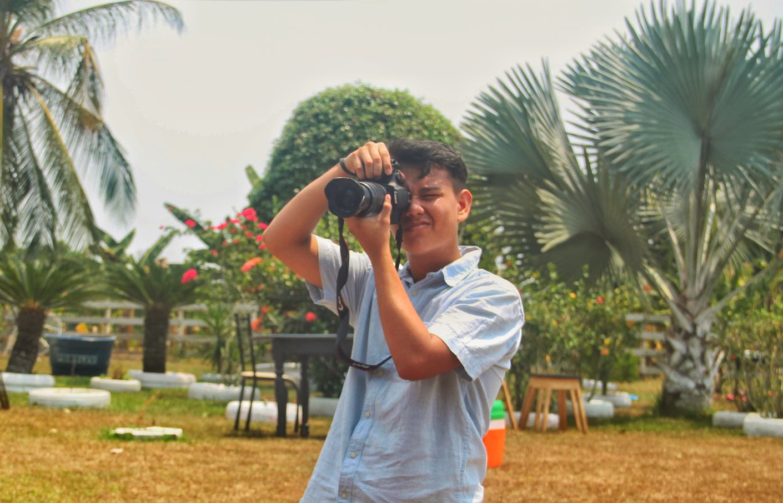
(334, 123)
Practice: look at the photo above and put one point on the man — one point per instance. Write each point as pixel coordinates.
(412, 429)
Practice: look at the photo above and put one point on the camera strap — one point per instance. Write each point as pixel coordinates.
(342, 309)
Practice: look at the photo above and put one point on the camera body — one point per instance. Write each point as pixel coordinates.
(363, 198)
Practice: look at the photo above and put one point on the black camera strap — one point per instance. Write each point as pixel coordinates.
(342, 309)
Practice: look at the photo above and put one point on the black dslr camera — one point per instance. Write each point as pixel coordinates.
(353, 198)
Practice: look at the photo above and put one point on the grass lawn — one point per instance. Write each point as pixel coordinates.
(51, 455)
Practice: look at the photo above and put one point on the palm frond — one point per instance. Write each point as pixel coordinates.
(151, 255)
(688, 95)
(94, 148)
(102, 23)
(73, 208)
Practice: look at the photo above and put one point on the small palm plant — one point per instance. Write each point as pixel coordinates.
(159, 287)
(35, 287)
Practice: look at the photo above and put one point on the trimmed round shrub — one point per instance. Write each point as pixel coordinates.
(334, 123)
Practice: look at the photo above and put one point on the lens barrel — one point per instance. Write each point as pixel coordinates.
(350, 198)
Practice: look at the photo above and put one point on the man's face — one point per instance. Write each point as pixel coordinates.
(430, 224)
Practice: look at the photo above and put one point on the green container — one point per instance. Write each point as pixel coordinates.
(498, 410)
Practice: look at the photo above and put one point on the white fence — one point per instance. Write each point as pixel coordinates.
(652, 330)
(106, 324)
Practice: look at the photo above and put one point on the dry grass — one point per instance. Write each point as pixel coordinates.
(636, 458)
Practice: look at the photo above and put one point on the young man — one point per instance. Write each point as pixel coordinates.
(412, 429)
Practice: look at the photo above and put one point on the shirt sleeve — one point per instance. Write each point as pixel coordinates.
(483, 328)
(359, 270)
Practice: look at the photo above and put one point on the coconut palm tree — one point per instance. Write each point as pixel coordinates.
(53, 135)
(33, 287)
(673, 176)
(159, 287)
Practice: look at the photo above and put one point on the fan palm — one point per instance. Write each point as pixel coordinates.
(159, 287)
(674, 177)
(35, 287)
(52, 134)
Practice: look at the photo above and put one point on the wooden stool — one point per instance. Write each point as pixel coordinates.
(543, 385)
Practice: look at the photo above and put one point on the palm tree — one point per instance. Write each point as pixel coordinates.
(678, 176)
(35, 287)
(159, 287)
(51, 135)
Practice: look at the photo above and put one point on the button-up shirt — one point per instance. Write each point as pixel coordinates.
(394, 440)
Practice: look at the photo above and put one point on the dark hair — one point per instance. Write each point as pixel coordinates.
(424, 154)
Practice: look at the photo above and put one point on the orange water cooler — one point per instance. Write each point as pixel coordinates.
(495, 439)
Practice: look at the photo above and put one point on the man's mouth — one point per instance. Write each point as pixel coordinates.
(415, 225)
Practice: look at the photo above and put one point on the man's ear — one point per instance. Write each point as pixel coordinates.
(464, 202)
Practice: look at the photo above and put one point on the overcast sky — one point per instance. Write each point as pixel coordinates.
(193, 110)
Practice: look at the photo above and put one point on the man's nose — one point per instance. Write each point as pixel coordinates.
(415, 207)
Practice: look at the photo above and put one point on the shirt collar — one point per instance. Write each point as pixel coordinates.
(455, 271)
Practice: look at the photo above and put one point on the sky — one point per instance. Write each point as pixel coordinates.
(193, 110)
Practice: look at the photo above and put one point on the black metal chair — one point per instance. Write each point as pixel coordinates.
(253, 374)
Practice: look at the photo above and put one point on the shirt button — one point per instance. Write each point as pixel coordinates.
(344, 495)
(367, 414)
(379, 373)
(353, 454)
(415, 293)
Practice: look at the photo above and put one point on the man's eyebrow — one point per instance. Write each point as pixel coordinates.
(430, 189)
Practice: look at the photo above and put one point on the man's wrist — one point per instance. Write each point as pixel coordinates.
(381, 256)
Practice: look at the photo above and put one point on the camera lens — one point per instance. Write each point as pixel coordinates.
(348, 198)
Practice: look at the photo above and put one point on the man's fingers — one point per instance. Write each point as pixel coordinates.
(366, 160)
(376, 169)
(386, 211)
(385, 158)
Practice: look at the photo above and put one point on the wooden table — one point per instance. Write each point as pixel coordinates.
(543, 385)
(298, 348)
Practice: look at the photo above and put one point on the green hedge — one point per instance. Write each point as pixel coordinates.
(334, 123)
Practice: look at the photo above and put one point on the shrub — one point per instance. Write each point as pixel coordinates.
(755, 346)
(334, 123)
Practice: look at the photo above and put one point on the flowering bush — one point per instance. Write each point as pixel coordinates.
(236, 268)
(570, 329)
(755, 353)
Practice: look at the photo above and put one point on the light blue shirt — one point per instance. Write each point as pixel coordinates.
(394, 440)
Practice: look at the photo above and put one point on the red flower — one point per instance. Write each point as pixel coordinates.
(249, 234)
(261, 246)
(310, 317)
(236, 241)
(259, 237)
(599, 300)
(225, 243)
(264, 309)
(249, 213)
(171, 208)
(189, 275)
(251, 264)
(234, 220)
(647, 288)
(214, 252)
(161, 227)
(262, 225)
(256, 324)
(233, 230)
(244, 227)
(221, 226)
(190, 223)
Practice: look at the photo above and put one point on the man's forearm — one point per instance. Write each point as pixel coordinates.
(417, 354)
(296, 221)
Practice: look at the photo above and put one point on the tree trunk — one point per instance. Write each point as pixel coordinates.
(692, 361)
(29, 323)
(156, 331)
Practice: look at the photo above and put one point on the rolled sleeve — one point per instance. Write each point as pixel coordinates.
(483, 328)
(329, 265)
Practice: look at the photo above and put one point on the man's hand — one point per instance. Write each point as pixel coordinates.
(369, 161)
(373, 232)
